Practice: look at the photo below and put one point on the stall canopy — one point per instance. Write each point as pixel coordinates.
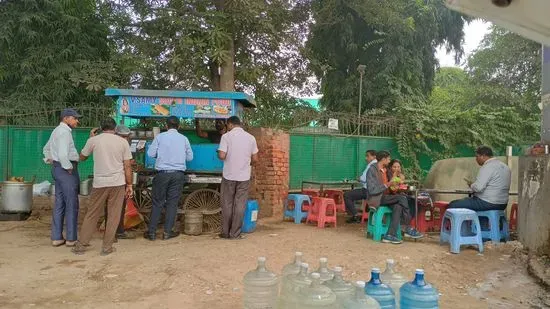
(525, 17)
(138, 103)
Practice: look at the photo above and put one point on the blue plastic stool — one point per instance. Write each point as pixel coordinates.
(494, 218)
(297, 212)
(376, 225)
(454, 234)
(250, 216)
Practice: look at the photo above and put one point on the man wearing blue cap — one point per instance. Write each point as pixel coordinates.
(61, 152)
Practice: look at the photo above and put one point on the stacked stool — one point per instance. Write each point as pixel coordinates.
(322, 211)
(302, 203)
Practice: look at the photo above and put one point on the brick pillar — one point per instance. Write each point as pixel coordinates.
(270, 177)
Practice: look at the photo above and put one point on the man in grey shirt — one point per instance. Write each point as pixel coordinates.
(491, 186)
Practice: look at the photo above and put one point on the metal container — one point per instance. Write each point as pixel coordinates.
(149, 134)
(192, 223)
(16, 197)
(134, 178)
(86, 186)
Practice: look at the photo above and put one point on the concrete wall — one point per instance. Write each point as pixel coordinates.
(449, 174)
(534, 206)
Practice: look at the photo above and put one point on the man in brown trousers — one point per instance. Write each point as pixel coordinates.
(112, 182)
(237, 149)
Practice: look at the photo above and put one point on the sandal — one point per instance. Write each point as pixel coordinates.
(105, 252)
(78, 249)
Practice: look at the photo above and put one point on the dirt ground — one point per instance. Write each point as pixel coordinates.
(202, 272)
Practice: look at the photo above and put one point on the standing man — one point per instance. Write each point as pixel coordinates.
(61, 153)
(112, 182)
(377, 187)
(237, 149)
(172, 150)
(359, 194)
(492, 185)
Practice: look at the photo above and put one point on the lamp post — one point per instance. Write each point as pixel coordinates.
(361, 69)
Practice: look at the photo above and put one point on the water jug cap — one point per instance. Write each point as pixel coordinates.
(338, 269)
(298, 253)
(375, 270)
(360, 284)
(305, 265)
(420, 271)
(315, 276)
(323, 260)
(390, 261)
(261, 259)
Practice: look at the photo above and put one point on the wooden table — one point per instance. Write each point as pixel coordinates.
(323, 184)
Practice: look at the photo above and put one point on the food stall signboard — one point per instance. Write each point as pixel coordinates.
(148, 106)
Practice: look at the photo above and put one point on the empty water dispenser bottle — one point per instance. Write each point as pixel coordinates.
(344, 290)
(419, 294)
(360, 300)
(293, 268)
(324, 271)
(394, 279)
(291, 286)
(381, 292)
(261, 287)
(316, 295)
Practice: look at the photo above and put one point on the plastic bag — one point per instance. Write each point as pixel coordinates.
(41, 189)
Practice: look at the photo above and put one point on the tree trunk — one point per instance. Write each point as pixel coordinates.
(223, 74)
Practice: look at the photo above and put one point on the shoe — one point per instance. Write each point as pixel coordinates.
(172, 234)
(222, 236)
(391, 239)
(353, 219)
(78, 249)
(239, 237)
(126, 235)
(57, 243)
(413, 233)
(105, 252)
(70, 243)
(148, 236)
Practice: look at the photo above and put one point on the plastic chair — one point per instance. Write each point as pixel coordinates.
(338, 197)
(322, 211)
(456, 233)
(379, 223)
(491, 222)
(439, 210)
(365, 215)
(299, 211)
(513, 224)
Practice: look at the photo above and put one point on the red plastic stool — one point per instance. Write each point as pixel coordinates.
(322, 211)
(439, 210)
(311, 192)
(338, 197)
(365, 215)
(513, 222)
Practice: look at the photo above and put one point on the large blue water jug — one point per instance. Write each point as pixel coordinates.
(382, 293)
(419, 294)
(250, 216)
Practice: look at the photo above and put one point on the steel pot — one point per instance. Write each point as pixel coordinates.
(16, 197)
(86, 186)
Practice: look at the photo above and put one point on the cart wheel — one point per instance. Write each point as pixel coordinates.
(212, 223)
(205, 200)
(144, 201)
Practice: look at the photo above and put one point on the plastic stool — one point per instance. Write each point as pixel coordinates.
(495, 218)
(298, 212)
(452, 233)
(338, 197)
(322, 211)
(439, 211)
(513, 217)
(365, 215)
(376, 226)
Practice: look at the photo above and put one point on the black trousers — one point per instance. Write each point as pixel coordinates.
(167, 189)
(401, 212)
(351, 196)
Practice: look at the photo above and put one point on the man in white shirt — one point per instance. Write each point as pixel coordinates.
(492, 186)
(112, 182)
(359, 194)
(60, 151)
(238, 149)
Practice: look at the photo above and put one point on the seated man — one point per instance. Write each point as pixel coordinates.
(214, 136)
(359, 194)
(491, 186)
(377, 187)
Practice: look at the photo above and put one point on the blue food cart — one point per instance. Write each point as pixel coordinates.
(144, 112)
